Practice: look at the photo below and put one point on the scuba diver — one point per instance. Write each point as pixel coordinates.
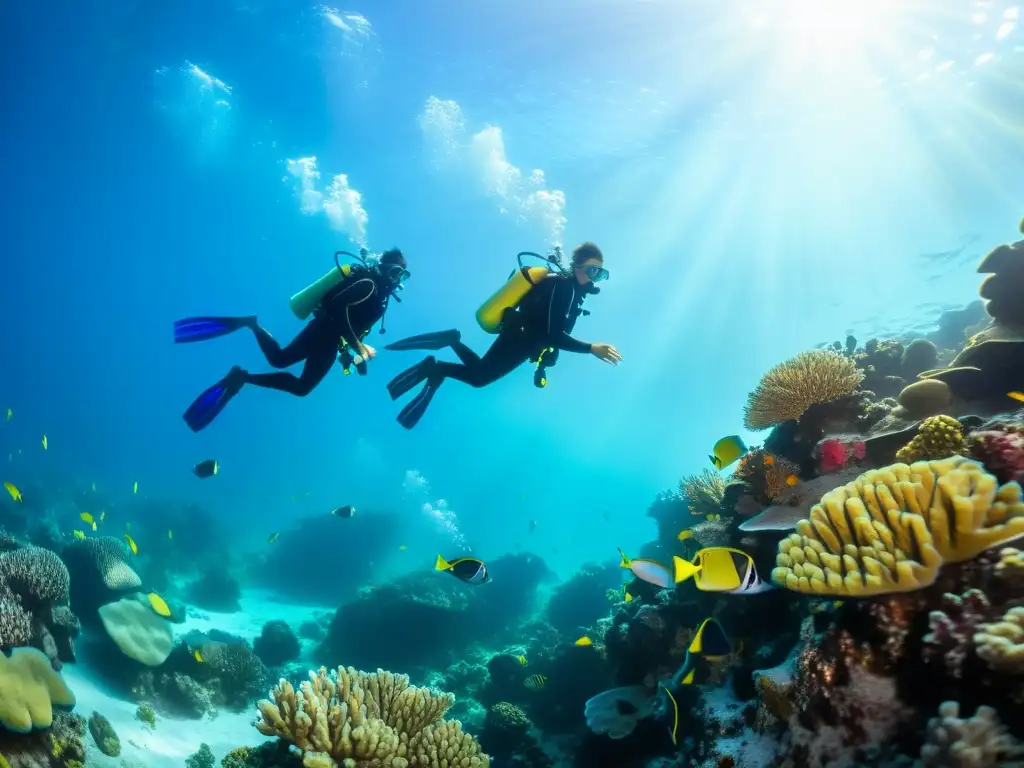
(345, 304)
(533, 315)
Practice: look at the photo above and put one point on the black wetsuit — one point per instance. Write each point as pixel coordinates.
(544, 318)
(347, 313)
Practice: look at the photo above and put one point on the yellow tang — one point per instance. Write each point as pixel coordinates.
(727, 451)
(78, 534)
(45, 443)
(15, 493)
(684, 535)
(197, 656)
(721, 569)
(86, 517)
(1019, 396)
(158, 604)
(584, 641)
(135, 488)
(131, 544)
(628, 598)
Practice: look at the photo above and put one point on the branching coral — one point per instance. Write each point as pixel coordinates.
(891, 529)
(368, 720)
(703, 493)
(937, 438)
(980, 741)
(1001, 449)
(791, 387)
(1001, 643)
(15, 621)
(1010, 568)
(952, 629)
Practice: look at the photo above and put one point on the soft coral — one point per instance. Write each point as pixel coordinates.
(1001, 450)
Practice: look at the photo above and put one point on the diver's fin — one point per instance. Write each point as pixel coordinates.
(208, 405)
(202, 328)
(410, 416)
(431, 341)
(410, 377)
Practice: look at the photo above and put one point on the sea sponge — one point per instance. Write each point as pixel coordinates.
(1001, 643)
(36, 575)
(363, 720)
(29, 687)
(891, 529)
(937, 438)
(138, 631)
(110, 556)
(791, 387)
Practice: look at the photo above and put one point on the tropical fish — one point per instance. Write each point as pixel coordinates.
(135, 488)
(467, 569)
(713, 518)
(1016, 396)
(207, 468)
(15, 493)
(584, 641)
(792, 480)
(197, 656)
(103, 515)
(131, 544)
(344, 512)
(87, 518)
(727, 451)
(10, 414)
(650, 571)
(684, 535)
(627, 597)
(535, 682)
(273, 537)
(170, 534)
(46, 443)
(721, 569)
(709, 642)
(78, 534)
(521, 660)
(158, 604)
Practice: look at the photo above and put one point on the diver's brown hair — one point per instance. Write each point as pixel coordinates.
(585, 251)
(393, 256)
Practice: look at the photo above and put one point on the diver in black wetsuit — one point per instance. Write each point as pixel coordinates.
(543, 320)
(340, 321)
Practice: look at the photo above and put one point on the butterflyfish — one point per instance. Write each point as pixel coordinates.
(650, 571)
(709, 642)
(584, 642)
(1019, 396)
(628, 598)
(521, 660)
(207, 468)
(131, 544)
(344, 512)
(15, 493)
(158, 604)
(78, 534)
(135, 487)
(87, 518)
(684, 535)
(467, 569)
(727, 451)
(46, 443)
(535, 682)
(721, 569)
(273, 537)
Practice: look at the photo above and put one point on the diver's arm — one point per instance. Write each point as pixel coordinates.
(358, 292)
(559, 306)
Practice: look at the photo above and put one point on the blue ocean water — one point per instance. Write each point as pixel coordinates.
(760, 181)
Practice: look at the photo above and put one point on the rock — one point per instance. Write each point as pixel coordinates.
(277, 644)
(926, 397)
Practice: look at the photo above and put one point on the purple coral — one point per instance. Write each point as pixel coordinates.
(1001, 450)
(952, 630)
(36, 575)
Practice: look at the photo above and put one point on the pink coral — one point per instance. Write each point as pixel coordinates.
(1001, 450)
(834, 453)
(952, 630)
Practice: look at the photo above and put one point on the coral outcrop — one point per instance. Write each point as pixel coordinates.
(980, 741)
(277, 644)
(937, 438)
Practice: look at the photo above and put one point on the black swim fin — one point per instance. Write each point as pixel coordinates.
(410, 416)
(410, 377)
(430, 341)
(202, 328)
(208, 405)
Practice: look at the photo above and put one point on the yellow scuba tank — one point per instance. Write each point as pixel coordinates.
(305, 301)
(507, 297)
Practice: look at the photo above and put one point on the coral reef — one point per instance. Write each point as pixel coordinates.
(1001, 643)
(980, 741)
(104, 735)
(999, 446)
(923, 398)
(138, 631)
(952, 629)
(29, 690)
(216, 590)
(61, 746)
(201, 758)
(100, 572)
(703, 493)
(277, 644)
(506, 737)
(34, 595)
(357, 719)
(937, 438)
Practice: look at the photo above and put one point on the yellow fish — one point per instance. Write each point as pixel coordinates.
(78, 534)
(273, 537)
(628, 598)
(10, 414)
(727, 451)
(584, 642)
(712, 518)
(135, 488)
(45, 443)
(535, 682)
(15, 493)
(158, 604)
(684, 535)
(131, 544)
(521, 660)
(197, 656)
(402, 547)
(86, 517)
(103, 515)
(170, 534)
(1016, 396)
(721, 569)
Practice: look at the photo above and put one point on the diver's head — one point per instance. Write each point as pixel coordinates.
(588, 264)
(392, 267)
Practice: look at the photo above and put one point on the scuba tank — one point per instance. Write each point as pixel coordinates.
(305, 301)
(519, 283)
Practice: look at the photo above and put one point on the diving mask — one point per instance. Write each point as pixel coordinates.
(395, 273)
(595, 273)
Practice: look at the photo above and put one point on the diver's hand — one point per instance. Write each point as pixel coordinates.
(367, 352)
(607, 353)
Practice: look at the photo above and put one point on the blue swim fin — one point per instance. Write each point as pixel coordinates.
(202, 328)
(410, 416)
(208, 405)
(430, 341)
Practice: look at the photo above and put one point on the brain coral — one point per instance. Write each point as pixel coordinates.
(891, 529)
(36, 575)
(110, 556)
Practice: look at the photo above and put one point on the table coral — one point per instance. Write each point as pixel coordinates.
(891, 529)
(368, 720)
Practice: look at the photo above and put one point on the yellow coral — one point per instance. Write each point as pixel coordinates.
(791, 387)
(891, 529)
(937, 438)
(368, 720)
(29, 688)
(1001, 643)
(1010, 567)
